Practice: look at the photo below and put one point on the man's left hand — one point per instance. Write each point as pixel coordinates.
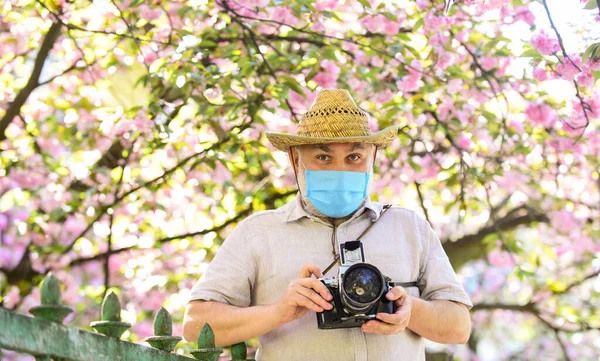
(389, 324)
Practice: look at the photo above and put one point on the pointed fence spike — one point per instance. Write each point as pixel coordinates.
(163, 325)
(50, 291)
(206, 337)
(110, 324)
(51, 308)
(163, 338)
(206, 345)
(238, 351)
(111, 308)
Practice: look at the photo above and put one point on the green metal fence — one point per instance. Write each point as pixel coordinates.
(46, 338)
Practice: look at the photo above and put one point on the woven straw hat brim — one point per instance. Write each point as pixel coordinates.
(381, 139)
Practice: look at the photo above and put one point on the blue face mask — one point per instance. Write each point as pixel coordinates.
(334, 193)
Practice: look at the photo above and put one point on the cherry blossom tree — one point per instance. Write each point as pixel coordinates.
(132, 142)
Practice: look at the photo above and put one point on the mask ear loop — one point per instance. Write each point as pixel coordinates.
(294, 167)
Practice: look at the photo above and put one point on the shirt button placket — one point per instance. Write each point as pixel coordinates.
(360, 345)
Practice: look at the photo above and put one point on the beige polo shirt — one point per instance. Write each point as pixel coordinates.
(267, 250)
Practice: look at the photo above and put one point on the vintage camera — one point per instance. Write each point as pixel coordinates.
(358, 291)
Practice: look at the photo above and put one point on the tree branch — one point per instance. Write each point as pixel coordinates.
(34, 79)
(239, 216)
(470, 247)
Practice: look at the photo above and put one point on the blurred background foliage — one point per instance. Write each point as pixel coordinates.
(132, 142)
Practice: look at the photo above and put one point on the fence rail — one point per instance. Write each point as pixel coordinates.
(45, 337)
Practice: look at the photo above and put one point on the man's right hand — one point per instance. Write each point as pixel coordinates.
(303, 294)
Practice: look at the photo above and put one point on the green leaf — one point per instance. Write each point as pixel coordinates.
(418, 25)
(489, 115)
(156, 64)
(390, 16)
(365, 3)
(557, 286)
(591, 5)
(531, 53)
(330, 14)
(592, 52)
(293, 84)
(136, 3)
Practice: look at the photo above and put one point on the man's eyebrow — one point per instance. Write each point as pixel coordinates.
(356, 146)
(324, 148)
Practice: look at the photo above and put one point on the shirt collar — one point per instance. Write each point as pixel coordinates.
(295, 210)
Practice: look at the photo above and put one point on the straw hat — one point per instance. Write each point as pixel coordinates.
(333, 117)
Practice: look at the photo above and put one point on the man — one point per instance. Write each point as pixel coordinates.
(263, 281)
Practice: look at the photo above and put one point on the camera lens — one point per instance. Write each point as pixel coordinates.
(362, 286)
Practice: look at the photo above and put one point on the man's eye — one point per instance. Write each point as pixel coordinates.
(354, 157)
(323, 157)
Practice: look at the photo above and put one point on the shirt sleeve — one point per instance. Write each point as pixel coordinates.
(230, 276)
(437, 280)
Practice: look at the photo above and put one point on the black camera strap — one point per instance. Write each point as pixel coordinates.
(336, 260)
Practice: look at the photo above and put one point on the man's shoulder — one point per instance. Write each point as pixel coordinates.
(408, 216)
(407, 213)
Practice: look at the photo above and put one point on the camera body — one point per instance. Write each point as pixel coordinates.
(358, 291)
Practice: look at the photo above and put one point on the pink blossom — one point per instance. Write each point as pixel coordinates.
(434, 23)
(28, 180)
(150, 13)
(284, 14)
(221, 174)
(446, 108)
(501, 259)
(10, 257)
(51, 146)
(3, 222)
(439, 39)
(455, 85)
(488, 63)
(377, 61)
(391, 27)
(540, 74)
(569, 68)
(371, 23)
(382, 98)
(327, 77)
(326, 4)
(422, 4)
(381, 24)
(540, 114)
(463, 141)
(74, 225)
(511, 181)
(523, 13)
(445, 59)
(564, 221)
(585, 79)
(11, 299)
(299, 102)
(318, 26)
(544, 44)
(517, 126)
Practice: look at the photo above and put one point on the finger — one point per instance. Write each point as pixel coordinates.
(317, 286)
(310, 269)
(396, 293)
(303, 301)
(382, 328)
(393, 319)
(314, 297)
